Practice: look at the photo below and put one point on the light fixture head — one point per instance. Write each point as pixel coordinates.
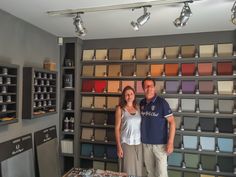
(141, 20)
(233, 16)
(80, 30)
(184, 16)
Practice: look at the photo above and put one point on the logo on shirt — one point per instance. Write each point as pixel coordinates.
(149, 114)
(153, 107)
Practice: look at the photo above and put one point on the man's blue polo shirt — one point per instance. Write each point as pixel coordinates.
(154, 125)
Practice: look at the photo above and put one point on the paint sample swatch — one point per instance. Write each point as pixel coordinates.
(206, 105)
(205, 69)
(188, 51)
(114, 54)
(188, 69)
(157, 70)
(127, 54)
(101, 54)
(188, 105)
(88, 55)
(206, 50)
(171, 69)
(87, 70)
(114, 70)
(224, 68)
(206, 87)
(142, 53)
(172, 52)
(225, 50)
(225, 87)
(157, 53)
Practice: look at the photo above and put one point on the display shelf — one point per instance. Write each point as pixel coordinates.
(205, 152)
(8, 93)
(39, 93)
(97, 142)
(201, 171)
(213, 134)
(97, 126)
(161, 61)
(98, 159)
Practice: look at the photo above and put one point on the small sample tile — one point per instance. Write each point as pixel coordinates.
(88, 55)
(101, 54)
(190, 174)
(86, 117)
(225, 50)
(172, 86)
(87, 85)
(87, 133)
(187, 69)
(225, 125)
(177, 141)
(157, 69)
(98, 165)
(100, 86)
(225, 87)
(111, 152)
(111, 166)
(206, 105)
(206, 87)
(191, 123)
(172, 52)
(205, 69)
(98, 150)
(159, 86)
(207, 143)
(141, 53)
(111, 135)
(111, 118)
(188, 87)
(191, 160)
(142, 70)
(100, 118)
(178, 122)
(114, 54)
(139, 88)
(127, 54)
(188, 51)
(188, 105)
(226, 164)
(207, 124)
(175, 159)
(190, 142)
(206, 50)
(114, 70)
(87, 70)
(225, 144)
(99, 134)
(113, 86)
(157, 53)
(100, 70)
(99, 101)
(87, 101)
(173, 102)
(128, 69)
(112, 102)
(174, 173)
(86, 149)
(224, 68)
(208, 162)
(171, 69)
(226, 106)
(127, 83)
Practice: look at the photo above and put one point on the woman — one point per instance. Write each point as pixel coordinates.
(127, 132)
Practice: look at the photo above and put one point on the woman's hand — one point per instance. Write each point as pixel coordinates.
(120, 152)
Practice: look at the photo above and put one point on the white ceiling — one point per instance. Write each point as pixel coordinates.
(208, 15)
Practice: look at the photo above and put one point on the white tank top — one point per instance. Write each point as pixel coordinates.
(130, 128)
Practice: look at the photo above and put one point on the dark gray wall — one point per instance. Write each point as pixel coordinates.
(26, 45)
(162, 41)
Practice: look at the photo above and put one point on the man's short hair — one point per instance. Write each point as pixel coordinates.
(148, 79)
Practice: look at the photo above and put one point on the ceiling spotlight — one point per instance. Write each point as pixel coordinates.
(184, 16)
(80, 30)
(233, 17)
(141, 20)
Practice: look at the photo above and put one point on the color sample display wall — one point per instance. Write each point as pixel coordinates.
(187, 77)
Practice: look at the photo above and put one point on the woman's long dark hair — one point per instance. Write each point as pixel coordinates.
(123, 102)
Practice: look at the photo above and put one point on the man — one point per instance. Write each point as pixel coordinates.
(157, 141)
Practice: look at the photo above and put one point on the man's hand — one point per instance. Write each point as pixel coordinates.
(169, 148)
